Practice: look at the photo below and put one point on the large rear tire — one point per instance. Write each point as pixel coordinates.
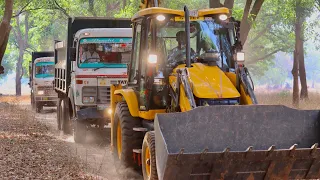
(66, 121)
(39, 107)
(33, 105)
(125, 139)
(59, 114)
(148, 157)
(79, 132)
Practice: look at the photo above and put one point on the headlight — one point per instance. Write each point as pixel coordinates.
(152, 59)
(161, 17)
(109, 111)
(223, 17)
(87, 99)
(240, 56)
(40, 92)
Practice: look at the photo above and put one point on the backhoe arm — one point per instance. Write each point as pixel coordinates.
(149, 3)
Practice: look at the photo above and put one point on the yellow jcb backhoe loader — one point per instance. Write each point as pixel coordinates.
(189, 110)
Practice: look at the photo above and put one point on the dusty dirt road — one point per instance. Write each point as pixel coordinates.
(96, 152)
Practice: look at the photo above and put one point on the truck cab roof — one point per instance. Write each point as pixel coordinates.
(104, 32)
(44, 59)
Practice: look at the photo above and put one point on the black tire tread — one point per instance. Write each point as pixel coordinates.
(66, 123)
(149, 140)
(130, 139)
(58, 114)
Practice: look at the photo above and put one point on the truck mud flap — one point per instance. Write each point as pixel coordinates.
(238, 142)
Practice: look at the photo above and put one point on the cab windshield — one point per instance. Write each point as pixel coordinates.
(206, 36)
(44, 70)
(104, 52)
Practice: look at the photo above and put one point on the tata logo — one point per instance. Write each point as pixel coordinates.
(122, 82)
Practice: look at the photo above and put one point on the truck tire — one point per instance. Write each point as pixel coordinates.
(79, 132)
(39, 107)
(125, 139)
(148, 157)
(33, 106)
(66, 121)
(59, 114)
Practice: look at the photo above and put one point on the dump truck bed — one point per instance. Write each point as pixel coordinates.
(238, 142)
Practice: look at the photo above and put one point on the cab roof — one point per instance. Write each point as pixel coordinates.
(160, 10)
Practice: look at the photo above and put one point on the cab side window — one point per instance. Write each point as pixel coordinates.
(135, 55)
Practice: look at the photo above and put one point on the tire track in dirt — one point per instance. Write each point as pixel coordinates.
(96, 152)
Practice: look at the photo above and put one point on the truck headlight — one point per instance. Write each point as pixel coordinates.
(109, 111)
(88, 99)
(40, 92)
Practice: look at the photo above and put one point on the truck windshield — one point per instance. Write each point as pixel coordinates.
(205, 36)
(104, 52)
(44, 70)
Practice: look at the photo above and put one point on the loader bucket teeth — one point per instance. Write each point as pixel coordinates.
(238, 142)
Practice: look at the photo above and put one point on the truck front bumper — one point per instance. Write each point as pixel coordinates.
(47, 100)
(93, 113)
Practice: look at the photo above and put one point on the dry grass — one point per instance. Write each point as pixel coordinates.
(15, 99)
(27, 151)
(285, 98)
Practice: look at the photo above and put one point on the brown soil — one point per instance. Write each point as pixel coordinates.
(27, 151)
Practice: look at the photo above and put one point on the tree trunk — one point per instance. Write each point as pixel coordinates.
(5, 30)
(19, 71)
(22, 41)
(3, 48)
(229, 4)
(124, 3)
(295, 74)
(245, 24)
(299, 33)
(214, 3)
(91, 8)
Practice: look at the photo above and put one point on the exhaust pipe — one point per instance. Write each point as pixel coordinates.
(187, 29)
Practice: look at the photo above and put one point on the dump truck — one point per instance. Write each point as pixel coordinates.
(189, 110)
(41, 76)
(94, 56)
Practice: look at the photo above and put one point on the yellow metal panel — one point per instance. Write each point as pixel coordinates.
(149, 115)
(210, 82)
(160, 10)
(205, 12)
(114, 98)
(131, 100)
(244, 98)
(157, 10)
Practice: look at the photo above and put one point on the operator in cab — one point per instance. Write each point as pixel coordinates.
(91, 55)
(177, 55)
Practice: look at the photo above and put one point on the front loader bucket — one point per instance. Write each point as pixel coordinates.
(238, 142)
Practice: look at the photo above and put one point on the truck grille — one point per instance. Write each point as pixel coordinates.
(101, 94)
(48, 90)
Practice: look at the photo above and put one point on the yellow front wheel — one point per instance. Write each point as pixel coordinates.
(124, 138)
(149, 168)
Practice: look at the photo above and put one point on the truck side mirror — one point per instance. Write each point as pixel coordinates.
(72, 51)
